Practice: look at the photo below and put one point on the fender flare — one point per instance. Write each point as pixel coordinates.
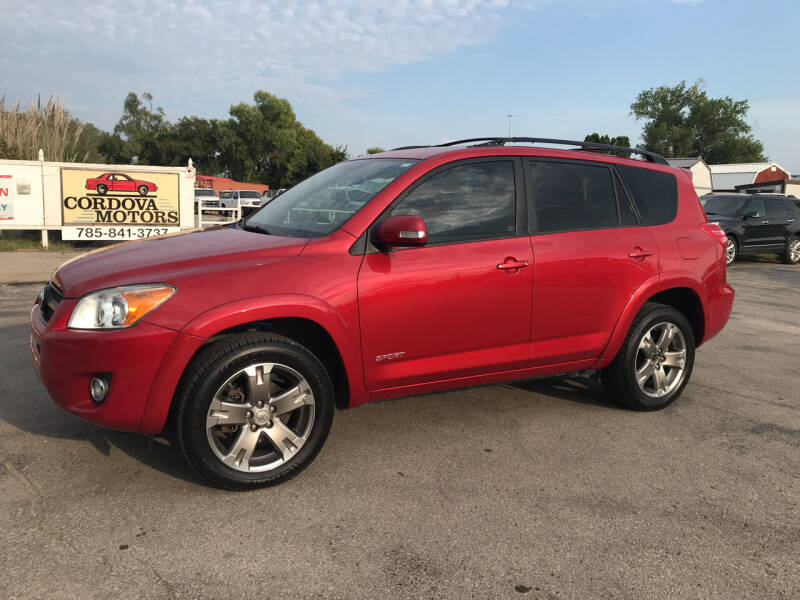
(240, 312)
(652, 286)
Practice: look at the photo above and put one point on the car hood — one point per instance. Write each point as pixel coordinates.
(165, 259)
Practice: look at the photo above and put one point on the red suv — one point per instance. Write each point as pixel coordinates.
(407, 272)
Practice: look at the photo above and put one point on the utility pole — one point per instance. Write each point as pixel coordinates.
(509, 115)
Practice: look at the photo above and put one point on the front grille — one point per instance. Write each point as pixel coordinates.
(48, 301)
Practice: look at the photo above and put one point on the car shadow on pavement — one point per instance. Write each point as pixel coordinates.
(581, 389)
(25, 405)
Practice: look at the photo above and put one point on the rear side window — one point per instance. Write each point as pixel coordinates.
(655, 193)
(570, 197)
(776, 209)
(474, 201)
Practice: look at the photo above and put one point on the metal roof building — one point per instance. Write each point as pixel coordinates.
(726, 178)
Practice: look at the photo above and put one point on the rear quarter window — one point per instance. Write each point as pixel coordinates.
(654, 192)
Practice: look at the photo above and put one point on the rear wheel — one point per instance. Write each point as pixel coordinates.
(655, 361)
(792, 254)
(253, 410)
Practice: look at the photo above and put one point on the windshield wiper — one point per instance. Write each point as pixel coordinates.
(255, 229)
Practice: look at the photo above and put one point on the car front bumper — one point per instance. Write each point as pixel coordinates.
(66, 360)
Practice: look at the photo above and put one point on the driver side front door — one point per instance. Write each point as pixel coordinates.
(452, 308)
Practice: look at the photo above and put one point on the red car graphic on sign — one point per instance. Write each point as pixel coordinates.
(119, 182)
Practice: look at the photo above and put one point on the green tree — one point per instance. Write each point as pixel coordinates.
(683, 120)
(375, 150)
(89, 143)
(263, 142)
(621, 140)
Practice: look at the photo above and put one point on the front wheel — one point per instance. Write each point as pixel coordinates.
(655, 361)
(731, 251)
(102, 189)
(253, 410)
(143, 189)
(792, 254)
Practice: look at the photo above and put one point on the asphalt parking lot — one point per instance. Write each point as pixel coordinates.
(532, 490)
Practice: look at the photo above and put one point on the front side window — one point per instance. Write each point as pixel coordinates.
(572, 197)
(724, 206)
(467, 202)
(319, 205)
(755, 207)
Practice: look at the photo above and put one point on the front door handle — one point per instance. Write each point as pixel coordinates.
(512, 265)
(640, 253)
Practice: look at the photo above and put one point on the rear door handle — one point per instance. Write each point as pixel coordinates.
(640, 253)
(512, 264)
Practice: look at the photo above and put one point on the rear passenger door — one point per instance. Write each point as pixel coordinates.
(591, 253)
(778, 221)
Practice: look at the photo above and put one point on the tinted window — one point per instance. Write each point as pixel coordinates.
(655, 194)
(627, 218)
(756, 207)
(466, 202)
(726, 206)
(776, 209)
(569, 197)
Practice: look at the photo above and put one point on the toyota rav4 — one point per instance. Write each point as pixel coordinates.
(416, 270)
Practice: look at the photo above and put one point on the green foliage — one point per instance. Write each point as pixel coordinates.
(375, 150)
(684, 121)
(621, 140)
(260, 143)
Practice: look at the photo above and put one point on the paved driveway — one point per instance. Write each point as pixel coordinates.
(532, 490)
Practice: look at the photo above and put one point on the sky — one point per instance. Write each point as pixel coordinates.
(396, 72)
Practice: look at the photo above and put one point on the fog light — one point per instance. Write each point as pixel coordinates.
(98, 389)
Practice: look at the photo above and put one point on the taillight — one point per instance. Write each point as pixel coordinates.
(716, 232)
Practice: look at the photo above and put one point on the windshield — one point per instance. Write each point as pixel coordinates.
(319, 205)
(727, 206)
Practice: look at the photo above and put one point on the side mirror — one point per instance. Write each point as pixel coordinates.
(751, 214)
(402, 231)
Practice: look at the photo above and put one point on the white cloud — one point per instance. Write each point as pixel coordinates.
(190, 46)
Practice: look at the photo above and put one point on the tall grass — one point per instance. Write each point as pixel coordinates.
(49, 127)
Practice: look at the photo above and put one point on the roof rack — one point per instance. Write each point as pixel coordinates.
(587, 146)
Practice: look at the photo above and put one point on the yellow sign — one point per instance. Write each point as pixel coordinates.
(113, 198)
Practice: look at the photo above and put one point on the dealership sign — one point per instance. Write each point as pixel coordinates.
(6, 198)
(118, 204)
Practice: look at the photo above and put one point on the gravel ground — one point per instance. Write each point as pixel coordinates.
(532, 490)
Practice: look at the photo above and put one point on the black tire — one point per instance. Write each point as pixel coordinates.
(143, 189)
(619, 377)
(210, 370)
(102, 189)
(730, 259)
(791, 256)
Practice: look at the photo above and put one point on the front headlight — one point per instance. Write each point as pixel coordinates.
(117, 308)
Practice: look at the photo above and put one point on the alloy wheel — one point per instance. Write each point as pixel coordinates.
(794, 251)
(260, 417)
(730, 251)
(660, 362)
